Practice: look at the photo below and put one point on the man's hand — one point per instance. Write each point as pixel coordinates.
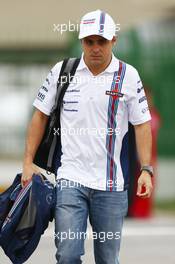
(28, 171)
(145, 182)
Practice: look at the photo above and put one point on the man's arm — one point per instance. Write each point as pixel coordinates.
(34, 136)
(144, 149)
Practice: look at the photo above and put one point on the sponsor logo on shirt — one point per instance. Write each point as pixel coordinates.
(44, 88)
(70, 110)
(40, 96)
(114, 94)
(73, 90)
(70, 102)
(47, 80)
(142, 99)
(67, 104)
(139, 89)
(144, 110)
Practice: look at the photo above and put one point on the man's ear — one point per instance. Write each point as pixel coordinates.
(114, 40)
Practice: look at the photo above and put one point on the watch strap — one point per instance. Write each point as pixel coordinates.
(147, 168)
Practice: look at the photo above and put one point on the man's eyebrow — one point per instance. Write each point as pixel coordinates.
(90, 39)
(102, 40)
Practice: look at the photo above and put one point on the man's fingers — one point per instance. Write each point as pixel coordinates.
(145, 187)
(139, 188)
(24, 183)
(27, 176)
(25, 179)
(146, 193)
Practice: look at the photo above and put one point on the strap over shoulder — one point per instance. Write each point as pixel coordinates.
(67, 73)
(68, 70)
(49, 153)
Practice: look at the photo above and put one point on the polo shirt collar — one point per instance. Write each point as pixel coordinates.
(112, 67)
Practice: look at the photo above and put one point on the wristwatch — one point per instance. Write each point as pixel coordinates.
(147, 168)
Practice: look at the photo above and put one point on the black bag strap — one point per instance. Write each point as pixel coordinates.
(67, 73)
(68, 70)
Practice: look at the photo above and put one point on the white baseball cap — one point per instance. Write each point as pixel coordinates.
(97, 23)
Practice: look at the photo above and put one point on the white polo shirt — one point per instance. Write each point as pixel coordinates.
(94, 122)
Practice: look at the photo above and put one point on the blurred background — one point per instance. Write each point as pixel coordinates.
(30, 44)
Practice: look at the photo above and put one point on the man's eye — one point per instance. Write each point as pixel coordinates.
(102, 42)
(89, 42)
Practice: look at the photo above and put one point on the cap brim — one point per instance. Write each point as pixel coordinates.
(81, 36)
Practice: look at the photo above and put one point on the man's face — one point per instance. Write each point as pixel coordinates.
(97, 50)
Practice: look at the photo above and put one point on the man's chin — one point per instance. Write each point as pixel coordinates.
(96, 63)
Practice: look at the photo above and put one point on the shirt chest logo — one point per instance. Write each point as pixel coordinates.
(115, 94)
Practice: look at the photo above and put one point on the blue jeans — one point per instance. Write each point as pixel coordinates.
(106, 211)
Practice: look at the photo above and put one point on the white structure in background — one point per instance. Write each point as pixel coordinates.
(18, 87)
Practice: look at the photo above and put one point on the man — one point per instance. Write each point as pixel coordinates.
(93, 177)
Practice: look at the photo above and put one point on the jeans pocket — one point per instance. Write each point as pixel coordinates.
(123, 200)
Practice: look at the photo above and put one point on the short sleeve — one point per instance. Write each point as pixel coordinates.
(137, 104)
(46, 95)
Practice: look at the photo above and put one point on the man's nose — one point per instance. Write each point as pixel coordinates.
(96, 48)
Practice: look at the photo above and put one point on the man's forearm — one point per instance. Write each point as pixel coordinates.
(34, 136)
(144, 142)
